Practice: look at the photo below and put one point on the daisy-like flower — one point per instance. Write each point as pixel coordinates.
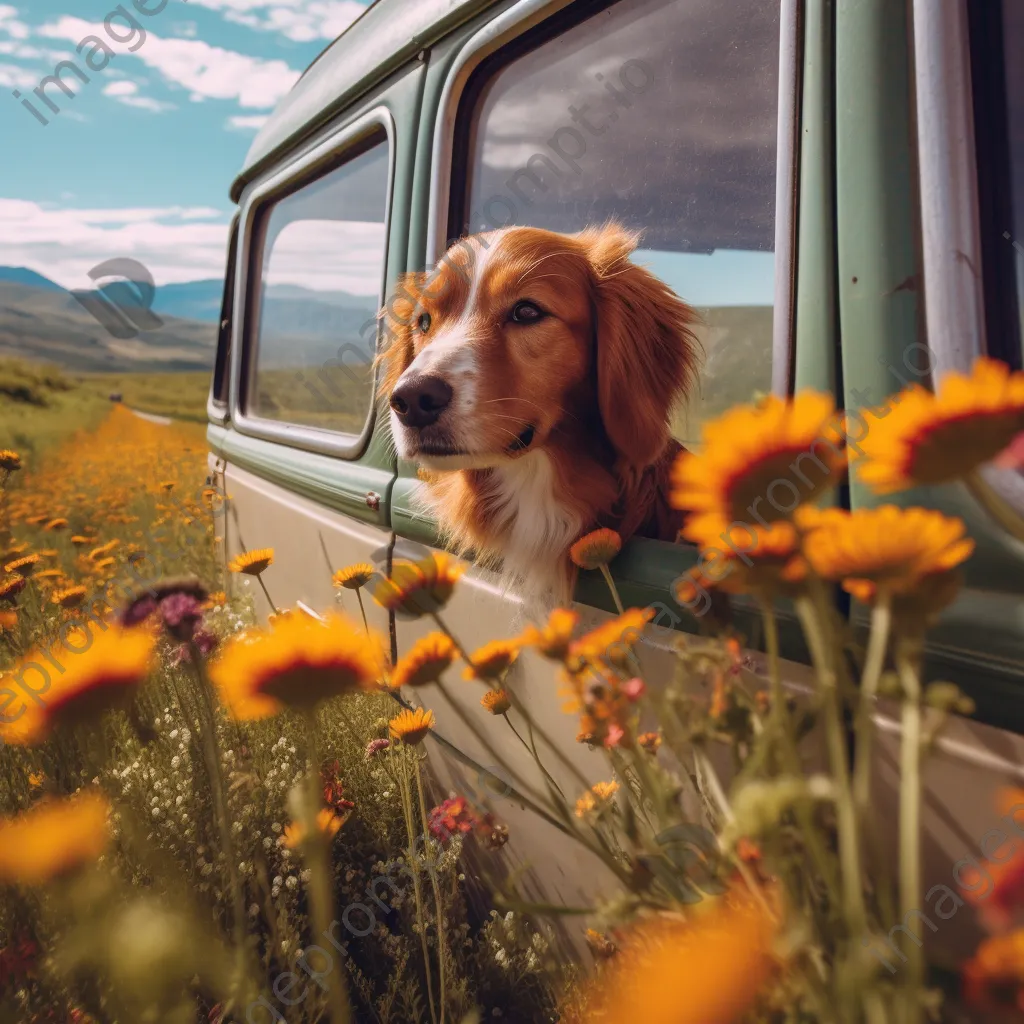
(10, 461)
(596, 798)
(299, 662)
(927, 438)
(252, 563)
(59, 523)
(553, 639)
(37, 520)
(887, 546)
(11, 588)
(411, 727)
(352, 577)
(759, 462)
(103, 550)
(597, 548)
(497, 702)
(327, 821)
(994, 976)
(427, 659)
(374, 747)
(8, 620)
(69, 597)
(167, 485)
(103, 564)
(720, 957)
(102, 677)
(650, 741)
(50, 574)
(53, 839)
(613, 640)
(80, 541)
(492, 660)
(419, 588)
(24, 566)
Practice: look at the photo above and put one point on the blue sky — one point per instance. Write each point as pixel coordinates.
(139, 163)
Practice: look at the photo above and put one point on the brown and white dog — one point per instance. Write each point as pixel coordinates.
(532, 376)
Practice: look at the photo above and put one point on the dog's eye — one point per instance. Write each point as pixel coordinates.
(526, 313)
(423, 323)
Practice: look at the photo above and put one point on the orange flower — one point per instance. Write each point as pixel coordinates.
(995, 973)
(597, 548)
(327, 821)
(56, 524)
(492, 660)
(69, 597)
(10, 461)
(426, 661)
(419, 588)
(596, 798)
(411, 727)
(650, 741)
(102, 676)
(553, 639)
(252, 563)
(706, 970)
(298, 662)
(11, 588)
(8, 620)
(496, 701)
(613, 640)
(23, 566)
(54, 838)
(353, 577)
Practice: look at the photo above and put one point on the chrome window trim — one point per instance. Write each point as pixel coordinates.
(528, 13)
(954, 301)
(269, 188)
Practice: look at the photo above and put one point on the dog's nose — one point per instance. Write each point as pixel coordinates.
(419, 401)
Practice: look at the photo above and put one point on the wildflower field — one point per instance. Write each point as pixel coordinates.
(208, 819)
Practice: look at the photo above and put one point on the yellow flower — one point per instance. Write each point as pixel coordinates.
(426, 660)
(419, 588)
(492, 660)
(705, 970)
(8, 620)
(758, 463)
(23, 566)
(101, 676)
(103, 550)
(298, 662)
(411, 727)
(935, 438)
(11, 588)
(56, 524)
(327, 821)
(9, 460)
(596, 798)
(69, 597)
(167, 485)
(496, 701)
(53, 838)
(887, 546)
(597, 548)
(103, 564)
(79, 540)
(353, 577)
(650, 741)
(252, 563)
(218, 597)
(613, 640)
(50, 574)
(36, 779)
(552, 640)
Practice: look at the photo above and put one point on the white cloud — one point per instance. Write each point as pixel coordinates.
(207, 72)
(247, 122)
(10, 24)
(14, 77)
(176, 243)
(127, 92)
(301, 20)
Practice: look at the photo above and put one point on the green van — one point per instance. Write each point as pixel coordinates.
(838, 186)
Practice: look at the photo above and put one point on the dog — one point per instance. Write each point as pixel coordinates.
(531, 376)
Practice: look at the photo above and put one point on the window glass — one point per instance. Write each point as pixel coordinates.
(661, 114)
(320, 281)
(222, 361)
(1013, 61)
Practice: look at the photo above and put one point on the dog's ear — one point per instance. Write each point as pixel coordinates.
(396, 328)
(645, 345)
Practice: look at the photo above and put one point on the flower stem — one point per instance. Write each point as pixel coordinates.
(259, 576)
(881, 621)
(606, 573)
(321, 883)
(362, 609)
(438, 904)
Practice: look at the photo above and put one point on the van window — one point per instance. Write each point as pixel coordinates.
(997, 45)
(321, 271)
(222, 360)
(661, 114)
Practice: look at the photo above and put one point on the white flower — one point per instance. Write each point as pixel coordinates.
(174, 734)
(275, 827)
(175, 762)
(291, 882)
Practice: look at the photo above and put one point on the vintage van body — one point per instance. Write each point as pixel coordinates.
(835, 183)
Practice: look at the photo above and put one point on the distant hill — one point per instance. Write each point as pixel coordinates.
(190, 300)
(22, 275)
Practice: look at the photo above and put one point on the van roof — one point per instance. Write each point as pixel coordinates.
(388, 34)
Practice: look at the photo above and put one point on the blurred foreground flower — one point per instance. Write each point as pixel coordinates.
(492, 660)
(596, 798)
(705, 971)
(299, 662)
(101, 676)
(927, 438)
(994, 976)
(418, 588)
(553, 639)
(10, 461)
(53, 838)
(327, 821)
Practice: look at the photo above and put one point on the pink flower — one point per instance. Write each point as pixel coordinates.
(634, 688)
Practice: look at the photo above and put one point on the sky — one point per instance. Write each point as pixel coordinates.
(139, 163)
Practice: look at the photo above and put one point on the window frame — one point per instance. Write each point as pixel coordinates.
(952, 253)
(502, 33)
(301, 170)
(220, 379)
